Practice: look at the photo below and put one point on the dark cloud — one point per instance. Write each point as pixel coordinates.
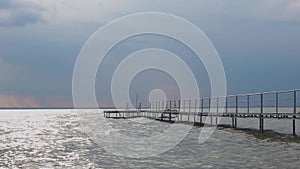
(20, 13)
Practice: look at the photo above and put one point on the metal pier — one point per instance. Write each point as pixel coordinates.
(267, 105)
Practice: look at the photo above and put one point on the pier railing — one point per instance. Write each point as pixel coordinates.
(276, 105)
(275, 102)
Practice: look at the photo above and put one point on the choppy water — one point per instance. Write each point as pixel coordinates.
(54, 139)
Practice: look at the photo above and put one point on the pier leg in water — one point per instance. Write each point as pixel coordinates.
(295, 111)
(232, 118)
(201, 118)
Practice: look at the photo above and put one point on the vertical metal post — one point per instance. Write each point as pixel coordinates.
(202, 105)
(175, 105)
(217, 105)
(226, 104)
(195, 110)
(200, 118)
(277, 104)
(217, 110)
(236, 110)
(179, 106)
(295, 111)
(190, 102)
(170, 104)
(209, 101)
(183, 105)
(261, 119)
(195, 106)
(248, 104)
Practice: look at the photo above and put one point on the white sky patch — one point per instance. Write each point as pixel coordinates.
(99, 11)
(4, 15)
(293, 9)
(280, 10)
(79, 10)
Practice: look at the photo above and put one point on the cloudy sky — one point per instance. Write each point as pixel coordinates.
(257, 40)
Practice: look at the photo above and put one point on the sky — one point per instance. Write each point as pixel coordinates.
(40, 40)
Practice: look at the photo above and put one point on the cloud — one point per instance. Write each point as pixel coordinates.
(12, 101)
(8, 71)
(20, 13)
(281, 10)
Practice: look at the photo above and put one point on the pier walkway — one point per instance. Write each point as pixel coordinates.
(267, 105)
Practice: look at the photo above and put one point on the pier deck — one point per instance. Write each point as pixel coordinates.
(268, 105)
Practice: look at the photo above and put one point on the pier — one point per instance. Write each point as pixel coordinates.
(267, 105)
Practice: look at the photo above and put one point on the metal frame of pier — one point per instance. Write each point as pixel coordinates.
(276, 104)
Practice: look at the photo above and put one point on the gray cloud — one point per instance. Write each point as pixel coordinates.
(16, 13)
(5, 4)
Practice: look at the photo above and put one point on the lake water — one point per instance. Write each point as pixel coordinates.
(55, 139)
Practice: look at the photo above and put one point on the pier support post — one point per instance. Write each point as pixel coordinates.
(261, 119)
(202, 105)
(200, 118)
(236, 110)
(295, 111)
(248, 104)
(277, 104)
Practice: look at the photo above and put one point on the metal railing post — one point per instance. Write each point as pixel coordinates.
(189, 110)
(236, 110)
(226, 104)
(261, 126)
(209, 102)
(195, 106)
(217, 104)
(295, 111)
(277, 104)
(248, 104)
(183, 106)
(179, 107)
(202, 105)
(190, 104)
